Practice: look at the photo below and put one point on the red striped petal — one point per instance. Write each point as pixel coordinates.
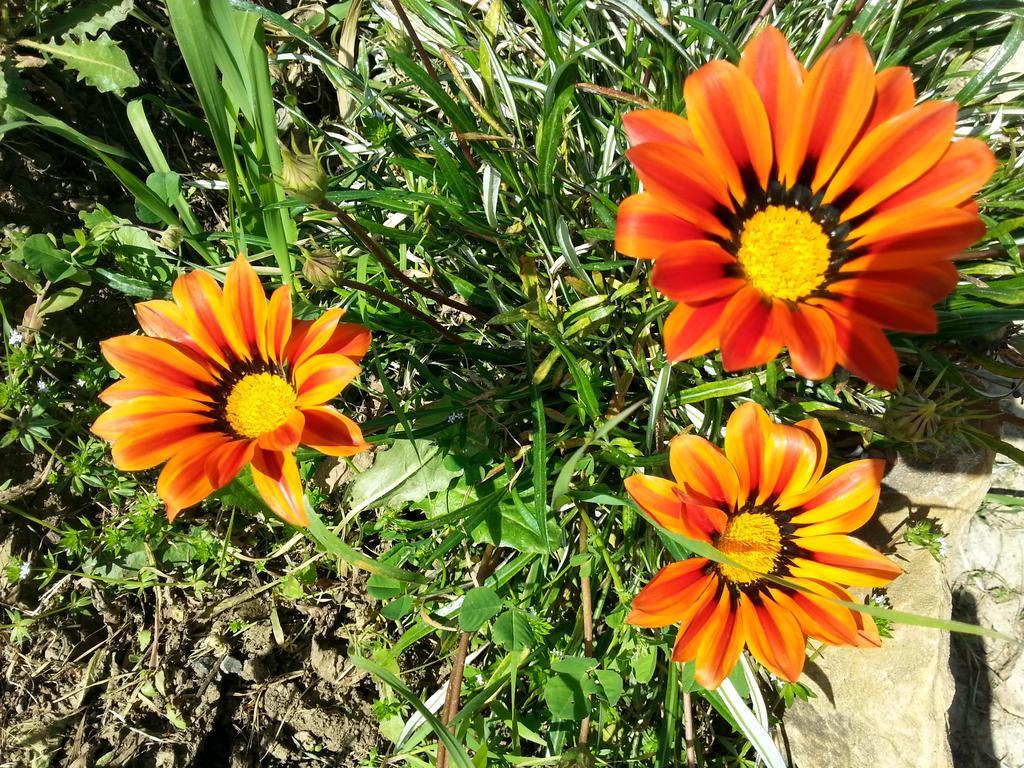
(835, 100)
(286, 437)
(332, 433)
(321, 378)
(892, 156)
(777, 76)
(246, 305)
(137, 411)
(963, 170)
(157, 440)
(752, 330)
(704, 471)
(684, 182)
(348, 339)
(665, 599)
(862, 348)
(810, 336)
(693, 330)
(276, 477)
(158, 364)
(723, 640)
(183, 481)
(644, 125)
(199, 295)
(669, 508)
(226, 461)
(695, 271)
(730, 124)
(279, 323)
(745, 446)
(894, 94)
(645, 227)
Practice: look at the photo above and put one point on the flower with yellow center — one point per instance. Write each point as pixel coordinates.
(811, 209)
(225, 378)
(767, 505)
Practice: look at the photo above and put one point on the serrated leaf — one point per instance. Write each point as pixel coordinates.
(93, 18)
(100, 62)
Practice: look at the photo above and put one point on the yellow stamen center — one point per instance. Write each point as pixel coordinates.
(753, 540)
(784, 252)
(259, 403)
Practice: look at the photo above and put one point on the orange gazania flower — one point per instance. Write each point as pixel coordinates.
(810, 209)
(764, 503)
(223, 379)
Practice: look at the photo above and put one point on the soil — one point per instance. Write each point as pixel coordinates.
(165, 680)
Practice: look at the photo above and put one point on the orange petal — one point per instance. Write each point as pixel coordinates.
(166, 320)
(961, 172)
(694, 623)
(693, 330)
(156, 440)
(810, 336)
(279, 323)
(276, 476)
(892, 305)
(745, 436)
(723, 640)
(934, 233)
(348, 339)
(862, 348)
(843, 560)
(183, 481)
(643, 125)
(646, 227)
(226, 461)
(894, 94)
(665, 599)
(819, 617)
(730, 124)
(842, 490)
(140, 410)
(704, 471)
(774, 637)
(285, 437)
(668, 507)
(813, 428)
(199, 295)
(834, 104)
(126, 390)
(777, 76)
(929, 283)
(752, 328)
(307, 338)
(332, 433)
(790, 458)
(684, 182)
(158, 364)
(695, 271)
(321, 378)
(246, 305)
(893, 155)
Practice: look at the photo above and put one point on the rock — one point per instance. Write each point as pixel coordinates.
(987, 566)
(889, 706)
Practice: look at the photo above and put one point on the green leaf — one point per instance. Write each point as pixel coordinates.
(644, 663)
(410, 470)
(610, 682)
(89, 20)
(512, 630)
(99, 62)
(574, 666)
(565, 699)
(39, 253)
(62, 299)
(167, 187)
(479, 605)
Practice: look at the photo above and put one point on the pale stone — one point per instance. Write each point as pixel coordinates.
(889, 706)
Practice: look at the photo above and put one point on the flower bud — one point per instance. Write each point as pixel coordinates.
(302, 175)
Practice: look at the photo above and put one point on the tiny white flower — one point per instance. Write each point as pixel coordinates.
(943, 548)
(42, 386)
(24, 571)
(453, 417)
(80, 382)
(15, 338)
(479, 679)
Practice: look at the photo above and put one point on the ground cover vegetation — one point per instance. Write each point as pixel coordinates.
(448, 571)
